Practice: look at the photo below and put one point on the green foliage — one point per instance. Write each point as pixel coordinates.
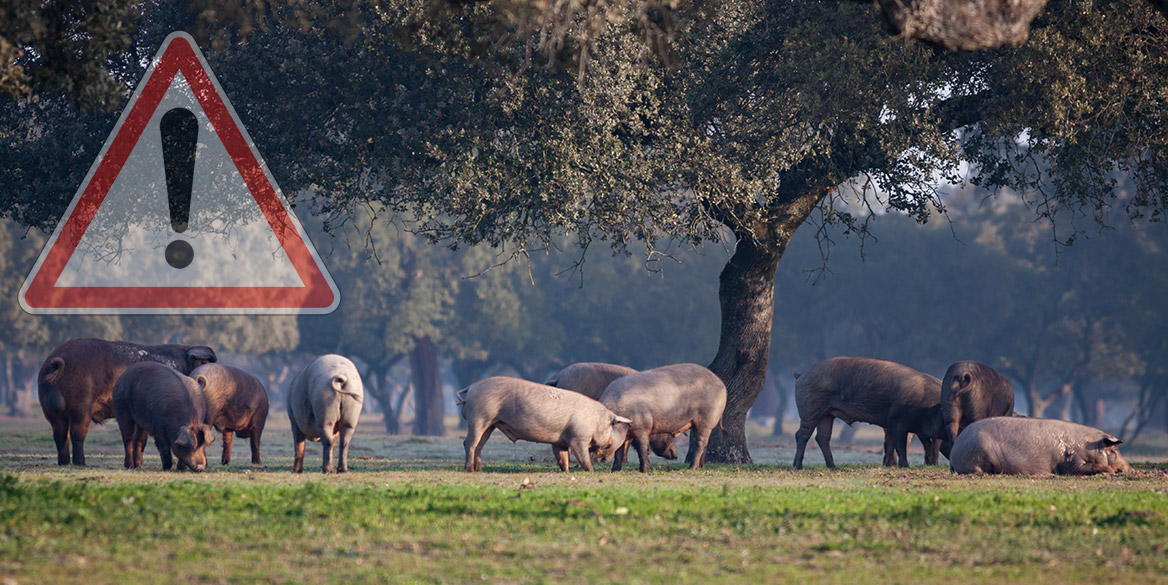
(1080, 107)
(64, 48)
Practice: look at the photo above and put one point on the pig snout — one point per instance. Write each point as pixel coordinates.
(663, 445)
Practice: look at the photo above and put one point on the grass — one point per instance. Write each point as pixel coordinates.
(406, 515)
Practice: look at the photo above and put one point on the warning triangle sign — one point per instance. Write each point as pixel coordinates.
(179, 214)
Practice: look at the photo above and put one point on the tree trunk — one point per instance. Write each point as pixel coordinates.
(428, 401)
(746, 292)
(9, 384)
(1038, 404)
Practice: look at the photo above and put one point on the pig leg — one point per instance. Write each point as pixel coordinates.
(806, 427)
(699, 438)
(298, 439)
(78, 429)
(476, 436)
(641, 442)
(140, 446)
(561, 455)
(129, 440)
(889, 449)
(61, 439)
(228, 438)
(164, 452)
(900, 441)
(823, 437)
(346, 438)
(327, 440)
(620, 456)
(255, 446)
(932, 451)
(580, 449)
(478, 454)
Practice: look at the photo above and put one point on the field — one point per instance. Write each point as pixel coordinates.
(405, 514)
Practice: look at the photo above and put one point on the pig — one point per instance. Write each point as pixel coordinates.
(324, 404)
(970, 392)
(75, 384)
(152, 399)
(588, 378)
(591, 378)
(884, 393)
(237, 402)
(525, 410)
(668, 400)
(1035, 446)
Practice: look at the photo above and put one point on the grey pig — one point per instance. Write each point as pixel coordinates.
(75, 384)
(588, 378)
(591, 378)
(1035, 446)
(667, 400)
(536, 412)
(237, 402)
(970, 392)
(151, 399)
(324, 404)
(884, 393)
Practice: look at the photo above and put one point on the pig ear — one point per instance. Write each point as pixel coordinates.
(620, 419)
(966, 379)
(208, 438)
(202, 380)
(202, 353)
(186, 438)
(1109, 441)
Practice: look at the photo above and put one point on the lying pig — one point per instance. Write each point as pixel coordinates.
(591, 378)
(151, 399)
(884, 393)
(324, 404)
(1035, 446)
(970, 392)
(668, 400)
(76, 382)
(236, 403)
(542, 414)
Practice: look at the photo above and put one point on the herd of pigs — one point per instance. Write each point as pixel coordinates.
(592, 411)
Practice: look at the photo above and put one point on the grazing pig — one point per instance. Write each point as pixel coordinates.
(588, 378)
(667, 400)
(591, 378)
(151, 399)
(1035, 446)
(970, 392)
(76, 382)
(884, 393)
(236, 403)
(539, 413)
(324, 404)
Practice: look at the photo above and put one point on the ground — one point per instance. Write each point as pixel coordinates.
(406, 514)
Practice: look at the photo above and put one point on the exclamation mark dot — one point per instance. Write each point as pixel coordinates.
(180, 135)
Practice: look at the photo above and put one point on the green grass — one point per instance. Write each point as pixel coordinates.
(405, 515)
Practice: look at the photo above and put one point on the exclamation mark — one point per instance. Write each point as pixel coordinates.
(180, 135)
